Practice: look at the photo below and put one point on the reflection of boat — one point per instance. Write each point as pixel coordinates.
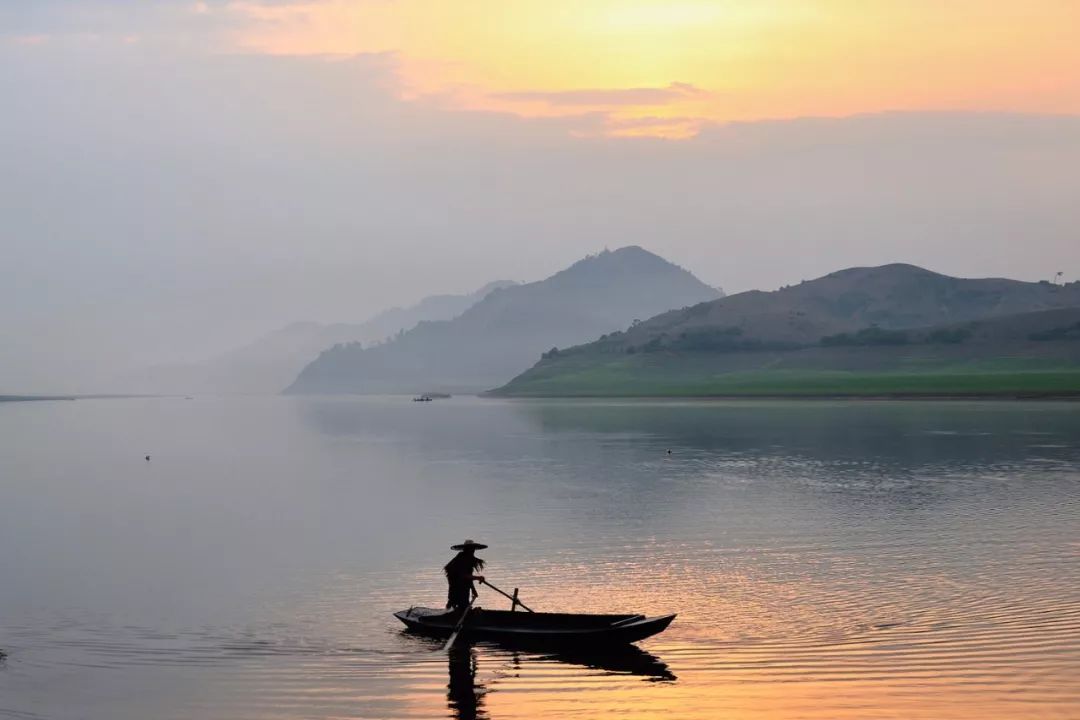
(621, 660)
(536, 629)
(465, 695)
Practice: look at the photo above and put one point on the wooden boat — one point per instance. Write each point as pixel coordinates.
(536, 629)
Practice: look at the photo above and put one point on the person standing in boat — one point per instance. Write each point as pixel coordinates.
(461, 572)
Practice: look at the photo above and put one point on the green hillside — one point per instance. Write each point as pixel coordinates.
(699, 375)
(844, 335)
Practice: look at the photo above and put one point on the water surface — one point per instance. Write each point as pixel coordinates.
(827, 560)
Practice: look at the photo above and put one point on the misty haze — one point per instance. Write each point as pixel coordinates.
(740, 341)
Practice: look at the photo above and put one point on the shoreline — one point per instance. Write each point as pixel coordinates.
(44, 398)
(34, 398)
(1066, 395)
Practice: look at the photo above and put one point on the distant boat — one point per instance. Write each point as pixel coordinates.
(422, 398)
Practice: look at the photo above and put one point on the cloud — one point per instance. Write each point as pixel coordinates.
(609, 98)
(675, 127)
(547, 58)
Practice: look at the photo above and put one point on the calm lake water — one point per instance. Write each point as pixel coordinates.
(827, 560)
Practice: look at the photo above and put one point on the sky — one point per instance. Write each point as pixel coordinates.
(181, 177)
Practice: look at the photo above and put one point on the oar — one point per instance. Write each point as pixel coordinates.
(513, 598)
(461, 623)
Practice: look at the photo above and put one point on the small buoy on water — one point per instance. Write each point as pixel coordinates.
(147, 458)
(668, 452)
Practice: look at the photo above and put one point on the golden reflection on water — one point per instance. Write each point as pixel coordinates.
(801, 627)
(485, 683)
(765, 644)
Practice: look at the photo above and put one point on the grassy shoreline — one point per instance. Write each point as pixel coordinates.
(1069, 396)
(687, 381)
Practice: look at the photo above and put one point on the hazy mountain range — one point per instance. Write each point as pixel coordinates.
(898, 319)
(628, 322)
(271, 362)
(508, 330)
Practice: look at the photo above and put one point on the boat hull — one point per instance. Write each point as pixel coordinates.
(536, 629)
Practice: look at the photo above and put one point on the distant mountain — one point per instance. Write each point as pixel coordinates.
(894, 318)
(510, 328)
(890, 296)
(390, 322)
(272, 361)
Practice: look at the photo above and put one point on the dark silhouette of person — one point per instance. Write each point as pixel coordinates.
(461, 572)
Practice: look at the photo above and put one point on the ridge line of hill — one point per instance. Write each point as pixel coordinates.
(887, 330)
(505, 332)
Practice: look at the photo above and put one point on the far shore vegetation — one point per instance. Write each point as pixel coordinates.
(695, 375)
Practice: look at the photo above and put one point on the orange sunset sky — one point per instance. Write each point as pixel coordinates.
(664, 67)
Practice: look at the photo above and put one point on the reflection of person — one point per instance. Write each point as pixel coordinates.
(460, 573)
(466, 698)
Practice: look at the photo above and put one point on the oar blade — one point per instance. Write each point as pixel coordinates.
(450, 643)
